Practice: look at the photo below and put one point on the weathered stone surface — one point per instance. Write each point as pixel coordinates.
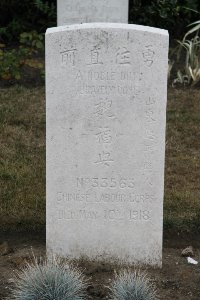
(87, 11)
(106, 90)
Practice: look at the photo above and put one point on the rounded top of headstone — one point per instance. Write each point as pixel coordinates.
(142, 28)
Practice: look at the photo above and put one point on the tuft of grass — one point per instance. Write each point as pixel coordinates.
(132, 286)
(49, 280)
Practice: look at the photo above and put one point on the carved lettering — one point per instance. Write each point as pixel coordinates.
(148, 55)
(107, 90)
(113, 214)
(150, 115)
(96, 182)
(140, 215)
(103, 108)
(108, 214)
(103, 76)
(104, 197)
(95, 56)
(104, 135)
(77, 215)
(150, 101)
(104, 158)
(65, 197)
(123, 56)
(69, 57)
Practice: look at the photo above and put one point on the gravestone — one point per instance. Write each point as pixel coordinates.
(87, 11)
(106, 90)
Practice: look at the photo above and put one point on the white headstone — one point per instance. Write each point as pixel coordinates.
(106, 90)
(87, 11)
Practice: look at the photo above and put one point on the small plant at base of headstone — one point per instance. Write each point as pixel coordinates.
(49, 280)
(132, 286)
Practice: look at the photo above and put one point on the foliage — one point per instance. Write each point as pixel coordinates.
(12, 61)
(47, 8)
(132, 286)
(192, 61)
(170, 66)
(192, 56)
(33, 40)
(28, 15)
(196, 29)
(180, 80)
(172, 15)
(25, 16)
(49, 280)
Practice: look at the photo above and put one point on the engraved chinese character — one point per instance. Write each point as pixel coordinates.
(148, 180)
(147, 165)
(150, 116)
(103, 108)
(150, 135)
(150, 101)
(150, 141)
(147, 172)
(150, 148)
(104, 159)
(104, 135)
(69, 57)
(123, 56)
(95, 57)
(148, 55)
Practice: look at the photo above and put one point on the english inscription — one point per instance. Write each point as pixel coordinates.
(120, 182)
(109, 215)
(93, 197)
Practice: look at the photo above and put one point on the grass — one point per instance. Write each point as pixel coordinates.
(50, 279)
(22, 159)
(129, 285)
(182, 172)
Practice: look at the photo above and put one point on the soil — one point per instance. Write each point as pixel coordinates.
(175, 280)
